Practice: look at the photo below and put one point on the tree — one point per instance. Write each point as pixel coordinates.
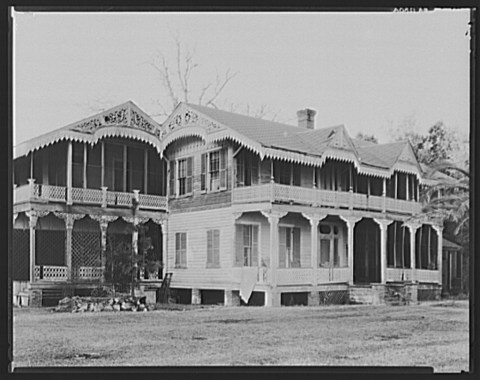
(365, 137)
(179, 83)
(449, 198)
(436, 146)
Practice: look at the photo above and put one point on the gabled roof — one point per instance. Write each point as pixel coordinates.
(124, 120)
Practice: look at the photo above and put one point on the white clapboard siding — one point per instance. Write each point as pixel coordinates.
(196, 224)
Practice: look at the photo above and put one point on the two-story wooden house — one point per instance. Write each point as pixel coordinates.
(238, 208)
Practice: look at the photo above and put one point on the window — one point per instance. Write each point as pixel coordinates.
(213, 248)
(332, 253)
(181, 250)
(181, 176)
(289, 247)
(216, 162)
(246, 240)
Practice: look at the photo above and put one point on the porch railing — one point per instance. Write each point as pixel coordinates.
(399, 274)
(333, 275)
(51, 273)
(88, 273)
(294, 276)
(426, 275)
(274, 192)
(75, 195)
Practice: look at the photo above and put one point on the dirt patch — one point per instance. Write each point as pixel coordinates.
(229, 321)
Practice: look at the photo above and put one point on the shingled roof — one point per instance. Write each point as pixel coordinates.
(268, 138)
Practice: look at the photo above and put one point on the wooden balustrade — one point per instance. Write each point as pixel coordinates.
(274, 192)
(50, 193)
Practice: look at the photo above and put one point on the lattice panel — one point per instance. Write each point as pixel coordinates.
(152, 201)
(89, 273)
(20, 255)
(50, 247)
(334, 297)
(86, 249)
(54, 192)
(90, 196)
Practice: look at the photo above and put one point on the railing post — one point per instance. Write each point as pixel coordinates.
(136, 196)
(31, 183)
(104, 196)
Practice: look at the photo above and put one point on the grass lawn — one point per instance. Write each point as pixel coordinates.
(429, 334)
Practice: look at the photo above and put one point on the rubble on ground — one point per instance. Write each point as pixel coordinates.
(96, 304)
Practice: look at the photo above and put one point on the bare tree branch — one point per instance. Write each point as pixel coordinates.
(219, 86)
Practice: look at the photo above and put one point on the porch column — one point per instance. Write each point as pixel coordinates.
(350, 221)
(413, 230)
(68, 245)
(85, 158)
(272, 297)
(165, 246)
(33, 218)
(103, 231)
(439, 230)
(383, 223)
(384, 195)
(314, 220)
(69, 221)
(69, 173)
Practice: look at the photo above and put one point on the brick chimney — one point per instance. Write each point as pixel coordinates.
(306, 118)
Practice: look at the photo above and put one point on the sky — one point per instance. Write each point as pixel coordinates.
(368, 71)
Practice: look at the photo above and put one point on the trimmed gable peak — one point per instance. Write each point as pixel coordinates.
(127, 114)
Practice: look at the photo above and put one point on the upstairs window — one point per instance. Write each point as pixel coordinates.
(247, 169)
(181, 177)
(214, 170)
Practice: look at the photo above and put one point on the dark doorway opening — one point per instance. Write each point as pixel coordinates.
(366, 265)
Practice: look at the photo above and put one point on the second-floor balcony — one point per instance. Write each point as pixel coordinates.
(274, 192)
(34, 192)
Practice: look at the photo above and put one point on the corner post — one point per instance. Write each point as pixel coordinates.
(439, 230)
(33, 218)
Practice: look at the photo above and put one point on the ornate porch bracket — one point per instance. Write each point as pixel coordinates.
(34, 215)
(68, 218)
(135, 220)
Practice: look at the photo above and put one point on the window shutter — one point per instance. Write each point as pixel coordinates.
(216, 247)
(223, 168)
(238, 245)
(282, 247)
(203, 175)
(189, 175)
(172, 178)
(209, 247)
(254, 246)
(177, 249)
(183, 236)
(296, 247)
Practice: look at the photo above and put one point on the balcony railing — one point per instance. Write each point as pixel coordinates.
(274, 192)
(74, 195)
